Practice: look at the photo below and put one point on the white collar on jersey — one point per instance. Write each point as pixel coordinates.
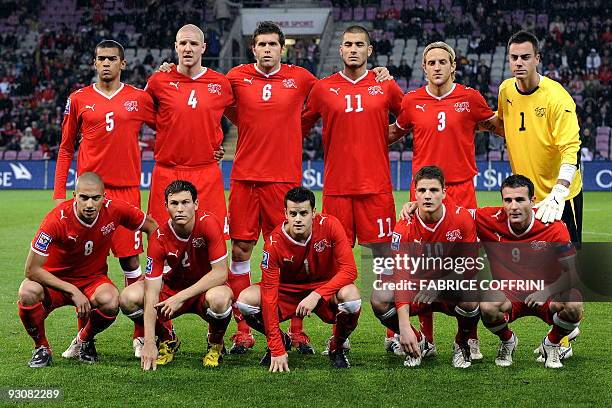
(440, 97)
(175, 234)
(343, 75)
(293, 241)
(109, 97)
(200, 74)
(437, 224)
(524, 232)
(74, 211)
(270, 74)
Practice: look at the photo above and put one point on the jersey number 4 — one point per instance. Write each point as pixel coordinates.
(193, 102)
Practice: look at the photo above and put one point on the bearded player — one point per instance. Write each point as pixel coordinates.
(355, 111)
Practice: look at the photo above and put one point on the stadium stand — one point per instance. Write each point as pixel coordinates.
(46, 48)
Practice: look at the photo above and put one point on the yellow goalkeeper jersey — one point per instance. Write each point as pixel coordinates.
(541, 130)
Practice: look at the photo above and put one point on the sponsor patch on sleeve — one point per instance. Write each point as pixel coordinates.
(149, 267)
(395, 241)
(67, 108)
(43, 241)
(265, 261)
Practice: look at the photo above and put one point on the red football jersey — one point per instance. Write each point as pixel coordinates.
(268, 115)
(443, 129)
(77, 250)
(324, 263)
(455, 226)
(189, 112)
(536, 252)
(355, 131)
(109, 127)
(186, 260)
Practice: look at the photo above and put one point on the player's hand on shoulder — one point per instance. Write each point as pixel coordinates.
(81, 303)
(165, 67)
(407, 210)
(279, 364)
(382, 74)
(308, 304)
(148, 357)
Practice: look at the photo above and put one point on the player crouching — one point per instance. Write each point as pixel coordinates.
(67, 266)
(537, 251)
(192, 246)
(307, 267)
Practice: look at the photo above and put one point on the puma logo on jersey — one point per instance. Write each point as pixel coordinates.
(250, 81)
(175, 84)
(159, 233)
(62, 216)
(204, 216)
(497, 214)
(174, 254)
(509, 101)
(288, 259)
(335, 90)
(73, 238)
(421, 107)
(272, 241)
(498, 237)
(90, 107)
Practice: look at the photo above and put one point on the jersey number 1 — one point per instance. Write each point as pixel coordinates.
(522, 128)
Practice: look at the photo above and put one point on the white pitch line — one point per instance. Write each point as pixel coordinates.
(607, 234)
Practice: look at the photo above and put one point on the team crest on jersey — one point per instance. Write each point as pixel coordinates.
(43, 241)
(108, 228)
(321, 245)
(289, 83)
(67, 108)
(462, 107)
(214, 89)
(395, 241)
(131, 106)
(454, 235)
(149, 267)
(198, 242)
(265, 260)
(540, 112)
(375, 90)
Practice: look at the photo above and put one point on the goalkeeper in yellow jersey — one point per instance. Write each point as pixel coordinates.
(541, 130)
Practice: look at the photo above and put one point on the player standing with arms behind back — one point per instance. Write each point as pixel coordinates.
(108, 116)
(355, 111)
(541, 129)
(190, 101)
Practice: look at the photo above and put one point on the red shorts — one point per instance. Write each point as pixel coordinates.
(417, 309)
(55, 298)
(196, 304)
(368, 218)
(125, 242)
(461, 194)
(289, 301)
(255, 207)
(208, 182)
(520, 309)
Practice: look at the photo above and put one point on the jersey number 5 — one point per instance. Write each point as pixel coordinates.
(110, 122)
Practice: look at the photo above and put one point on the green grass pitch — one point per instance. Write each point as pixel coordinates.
(376, 378)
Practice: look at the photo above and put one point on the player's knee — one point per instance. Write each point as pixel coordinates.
(30, 293)
(468, 309)
(219, 299)
(489, 310)
(132, 298)
(348, 293)
(572, 311)
(250, 296)
(129, 263)
(380, 302)
(350, 306)
(241, 250)
(107, 301)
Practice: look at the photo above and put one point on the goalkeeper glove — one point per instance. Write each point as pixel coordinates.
(551, 208)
